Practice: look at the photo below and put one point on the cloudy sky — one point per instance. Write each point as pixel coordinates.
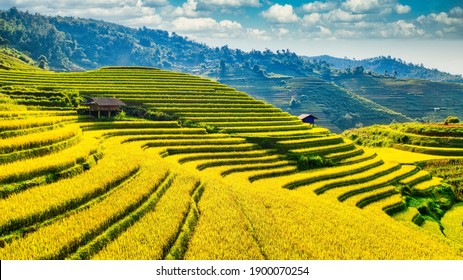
(418, 31)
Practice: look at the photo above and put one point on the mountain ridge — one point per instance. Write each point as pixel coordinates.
(390, 66)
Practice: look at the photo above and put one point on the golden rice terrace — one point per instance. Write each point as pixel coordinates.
(215, 174)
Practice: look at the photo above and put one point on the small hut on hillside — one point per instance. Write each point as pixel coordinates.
(105, 105)
(308, 118)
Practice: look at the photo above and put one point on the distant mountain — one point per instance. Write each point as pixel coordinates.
(389, 66)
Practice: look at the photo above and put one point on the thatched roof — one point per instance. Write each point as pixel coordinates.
(104, 101)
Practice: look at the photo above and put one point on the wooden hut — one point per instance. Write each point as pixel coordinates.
(308, 118)
(104, 105)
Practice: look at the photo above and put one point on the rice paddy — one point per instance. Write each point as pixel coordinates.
(222, 179)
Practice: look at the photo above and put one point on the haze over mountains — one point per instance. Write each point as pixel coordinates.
(320, 85)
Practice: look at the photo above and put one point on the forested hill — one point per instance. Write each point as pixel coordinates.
(67, 43)
(390, 66)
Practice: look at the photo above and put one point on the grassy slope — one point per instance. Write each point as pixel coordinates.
(420, 99)
(263, 217)
(336, 108)
(14, 60)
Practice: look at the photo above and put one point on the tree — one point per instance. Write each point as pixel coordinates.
(43, 65)
(4, 42)
(43, 62)
(451, 119)
(359, 70)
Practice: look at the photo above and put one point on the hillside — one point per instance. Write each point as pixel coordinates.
(336, 108)
(214, 174)
(395, 67)
(13, 59)
(417, 99)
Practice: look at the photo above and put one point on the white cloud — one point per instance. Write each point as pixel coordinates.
(149, 20)
(340, 15)
(453, 18)
(456, 12)
(206, 24)
(331, 18)
(230, 25)
(356, 19)
(257, 34)
(311, 19)
(188, 9)
(343, 34)
(132, 13)
(319, 6)
(324, 32)
(402, 9)
(401, 29)
(194, 24)
(210, 28)
(280, 14)
(361, 6)
(280, 32)
(375, 6)
(233, 3)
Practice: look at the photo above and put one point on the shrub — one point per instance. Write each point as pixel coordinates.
(451, 119)
(305, 162)
(121, 116)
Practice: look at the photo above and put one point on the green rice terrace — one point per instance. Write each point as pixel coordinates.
(194, 169)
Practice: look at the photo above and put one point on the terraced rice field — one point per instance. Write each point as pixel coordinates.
(73, 187)
(430, 139)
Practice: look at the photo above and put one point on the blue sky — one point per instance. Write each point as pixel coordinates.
(418, 31)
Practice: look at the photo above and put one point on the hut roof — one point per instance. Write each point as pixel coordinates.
(104, 101)
(304, 116)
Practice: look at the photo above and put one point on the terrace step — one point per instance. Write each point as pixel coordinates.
(345, 155)
(391, 205)
(356, 159)
(309, 142)
(207, 148)
(363, 199)
(416, 178)
(410, 214)
(431, 150)
(243, 123)
(365, 176)
(223, 162)
(325, 150)
(222, 155)
(427, 186)
(268, 129)
(256, 166)
(317, 176)
(272, 173)
(349, 191)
